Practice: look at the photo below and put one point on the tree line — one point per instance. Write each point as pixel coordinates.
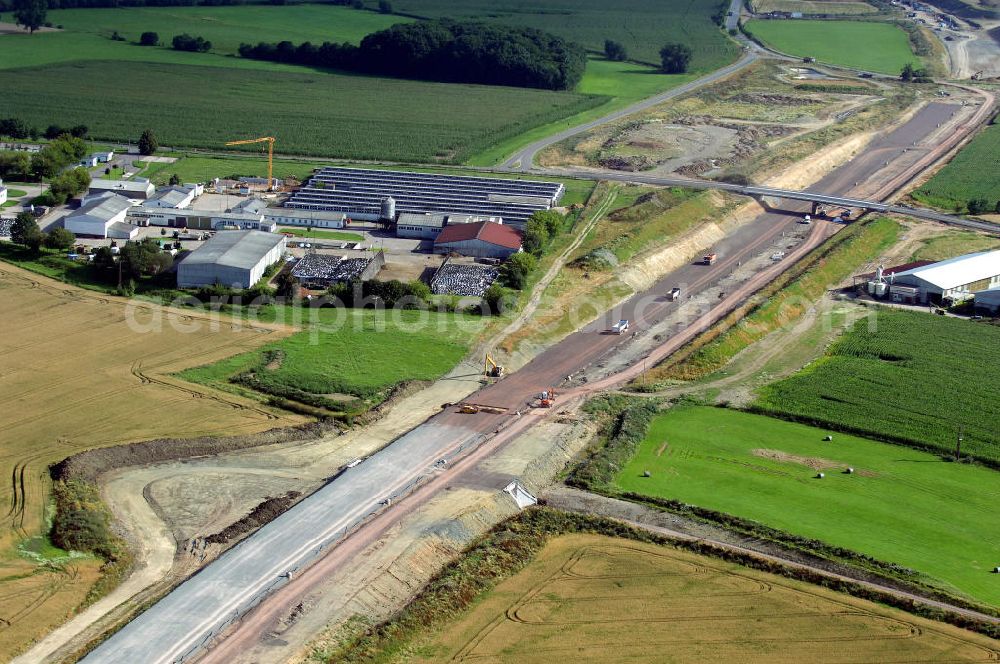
(445, 50)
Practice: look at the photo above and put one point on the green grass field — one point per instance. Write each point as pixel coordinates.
(900, 505)
(879, 47)
(912, 377)
(352, 117)
(350, 352)
(76, 75)
(954, 243)
(973, 173)
(322, 235)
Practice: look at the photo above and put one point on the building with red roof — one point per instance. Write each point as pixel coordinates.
(484, 239)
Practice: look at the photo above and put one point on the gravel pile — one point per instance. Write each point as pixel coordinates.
(5, 225)
(466, 280)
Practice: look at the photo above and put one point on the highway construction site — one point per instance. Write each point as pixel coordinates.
(391, 518)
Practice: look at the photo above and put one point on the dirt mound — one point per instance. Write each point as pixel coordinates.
(816, 463)
(259, 516)
(90, 465)
(768, 98)
(629, 164)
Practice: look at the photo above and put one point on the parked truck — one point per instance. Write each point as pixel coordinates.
(620, 326)
(709, 259)
(674, 293)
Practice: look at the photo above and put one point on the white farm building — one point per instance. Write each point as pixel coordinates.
(138, 190)
(102, 216)
(231, 258)
(306, 218)
(948, 281)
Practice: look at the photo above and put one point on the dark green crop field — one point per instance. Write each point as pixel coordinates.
(911, 377)
(642, 26)
(354, 117)
(973, 173)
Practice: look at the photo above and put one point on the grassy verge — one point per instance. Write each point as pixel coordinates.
(782, 301)
(621, 84)
(511, 546)
(321, 235)
(954, 244)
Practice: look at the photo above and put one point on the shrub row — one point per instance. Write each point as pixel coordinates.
(626, 421)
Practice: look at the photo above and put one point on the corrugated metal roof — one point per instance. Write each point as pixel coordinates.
(959, 271)
(242, 249)
(103, 207)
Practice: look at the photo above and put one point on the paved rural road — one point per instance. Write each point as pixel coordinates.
(180, 625)
(524, 159)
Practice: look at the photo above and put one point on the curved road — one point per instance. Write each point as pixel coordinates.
(523, 160)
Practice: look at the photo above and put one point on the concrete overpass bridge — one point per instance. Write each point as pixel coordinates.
(817, 199)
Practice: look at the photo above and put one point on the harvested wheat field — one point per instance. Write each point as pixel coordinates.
(589, 598)
(74, 375)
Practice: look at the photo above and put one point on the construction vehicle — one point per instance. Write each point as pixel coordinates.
(806, 220)
(472, 408)
(491, 369)
(270, 155)
(547, 398)
(709, 259)
(468, 409)
(620, 326)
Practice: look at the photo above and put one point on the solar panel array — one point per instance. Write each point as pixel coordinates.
(361, 191)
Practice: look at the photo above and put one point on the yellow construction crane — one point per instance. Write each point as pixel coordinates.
(270, 154)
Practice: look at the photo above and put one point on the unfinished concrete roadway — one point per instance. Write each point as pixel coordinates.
(181, 624)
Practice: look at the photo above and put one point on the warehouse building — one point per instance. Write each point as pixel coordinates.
(420, 226)
(483, 239)
(306, 218)
(946, 282)
(203, 220)
(428, 225)
(102, 216)
(231, 258)
(138, 190)
(987, 302)
(364, 193)
(173, 197)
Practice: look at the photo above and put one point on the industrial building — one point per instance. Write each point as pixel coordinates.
(231, 258)
(102, 216)
(428, 226)
(145, 215)
(174, 197)
(425, 226)
(320, 271)
(306, 218)
(482, 239)
(373, 195)
(138, 190)
(987, 302)
(945, 282)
